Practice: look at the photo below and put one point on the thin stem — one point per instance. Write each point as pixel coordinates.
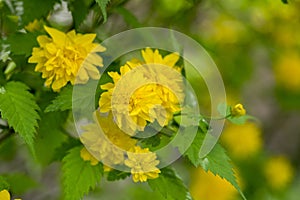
(216, 118)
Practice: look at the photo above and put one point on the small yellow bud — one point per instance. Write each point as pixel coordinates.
(86, 156)
(238, 110)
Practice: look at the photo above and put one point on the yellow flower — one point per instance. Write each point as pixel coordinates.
(86, 156)
(110, 147)
(242, 141)
(143, 164)
(279, 172)
(158, 97)
(4, 195)
(238, 110)
(207, 186)
(36, 25)
(287, 71)
(60, 58)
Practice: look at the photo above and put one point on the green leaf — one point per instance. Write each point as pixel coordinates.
(22, 43)
(129, 18)
(64, 148)
(285, 1)
(20, 183)
(4, 185)
(117, 175)
(102, 4)
(216, 161)
(239, 120)
(63, 101)
(193, 151)
(170, 185)
(223, 109)
(79, 176)
(18, 107)
(83, 100)
(50, 136)
(75, 6)
(36, 9)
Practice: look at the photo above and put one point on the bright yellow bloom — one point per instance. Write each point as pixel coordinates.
(207, 186)
(110, 146)
(156, 91)
(279, 172)
(242, 141)
(143, 164)
(61, 57)
(287, 71)
(238, 110)
(4, 195)
(35, 25)
(87, 156)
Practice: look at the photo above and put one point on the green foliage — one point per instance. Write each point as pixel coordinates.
(50, 136)
(16, 182)
(63, 100)
(115, 175)
(102, 4)
(4, 185)
(81, 5)
(35, 9)
(217, 161)
(83, 99)
(79, 176)
(64, 148)
(128, 17)
(170, 185)
(18, 107)
(21, 43)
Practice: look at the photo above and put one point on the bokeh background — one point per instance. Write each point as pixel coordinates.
(256, 46)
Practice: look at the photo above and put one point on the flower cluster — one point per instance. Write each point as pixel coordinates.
(60, 58)
(107, 146)
(144, 91)
(143, 164)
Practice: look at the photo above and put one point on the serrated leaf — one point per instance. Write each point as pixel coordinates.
(216, 161)
(102, 4)
(16, 182)
(18, 107)
(64, 148)
(170, 185)
(79, 176)
(62, 102)
(50, 136)
(115, 175)
(22, 43)
(78, 17)
(193, 151)
(36, 9)
(83, 100)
